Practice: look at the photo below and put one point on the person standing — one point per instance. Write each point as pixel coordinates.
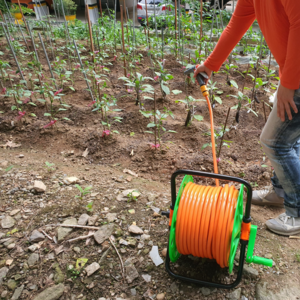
(279, 21)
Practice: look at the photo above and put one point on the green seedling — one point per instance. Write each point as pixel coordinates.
(82, 191)
(49, 166)
(131, 197)
(89, 206)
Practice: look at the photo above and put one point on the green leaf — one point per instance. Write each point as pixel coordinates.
(264, 166)
(47, 115)
(71, 88)
(165, 89)
(149, 132)
(234, 84)
(218, 99)
(65, 118)
(150, 125)
(176, 92)
(172, 131)
(198, 117)
(116, 131)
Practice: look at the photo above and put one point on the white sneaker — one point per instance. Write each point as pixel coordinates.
(284, 225)
(267, 196)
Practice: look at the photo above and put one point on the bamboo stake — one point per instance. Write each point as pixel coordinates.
(125, 71)
(126, 20)
(90, 31)
(155, 132)
(175, 28)
(265, 112)
(14, 54)
(83, 71)
(47, 58)
(147, 19)
(201, 20)
(219, 152)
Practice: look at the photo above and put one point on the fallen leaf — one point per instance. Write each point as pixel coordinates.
(59, 249)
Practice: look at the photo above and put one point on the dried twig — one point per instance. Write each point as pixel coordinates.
(78, 226)
(81, 237)
(123, 271)
(48, 236)
(104, 255)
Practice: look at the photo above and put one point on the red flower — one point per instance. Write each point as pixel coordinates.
(154, 146)
(77, 66)
(50, 124)
(156, 78)
(96, 51)
(115, 57)
(3, 91)
(218, 159)
(92, 103)
(26, 100)
(57, 92)
(128, 75)
(21, 115)
(105, 133)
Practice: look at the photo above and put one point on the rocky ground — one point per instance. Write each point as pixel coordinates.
(117, 250)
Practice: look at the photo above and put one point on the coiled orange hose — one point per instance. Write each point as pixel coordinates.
(205, 221)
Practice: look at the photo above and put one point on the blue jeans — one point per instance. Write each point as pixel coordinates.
(281, 143)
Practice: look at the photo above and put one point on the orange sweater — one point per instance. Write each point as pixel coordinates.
(279, 21)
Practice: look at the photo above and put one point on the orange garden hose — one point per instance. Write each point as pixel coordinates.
(205, 221)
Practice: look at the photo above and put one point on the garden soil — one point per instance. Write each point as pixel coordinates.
(77, 149)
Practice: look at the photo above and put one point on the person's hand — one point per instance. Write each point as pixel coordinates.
(285, 101)
(204, 69)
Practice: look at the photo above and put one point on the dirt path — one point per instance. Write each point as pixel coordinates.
(33, 266)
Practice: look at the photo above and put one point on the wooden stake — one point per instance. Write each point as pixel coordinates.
(125, 72)
(90, 31)
(23, 16)
(155, 133)
(219, 152)
(201, 20)
(126, 21)
(264, 112)
(100, 7)
(147, 17)
(176, 24)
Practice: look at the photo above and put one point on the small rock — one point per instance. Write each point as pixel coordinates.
(104, 233)
(70, 180)
(33, 259)
(235, 295)
(39, 186)
(133, 292)
(7, 222)
(131, 211)
(11, 284)
(135, 229)
(111, 217)
(164, 252)
(205, 291)
(268, 255)
(17, 293)
(14, 212)
(4, 294)
(131, 273)
(174, 288)
(33, 247)
(250, 272)
(92, 220)
(156, 215)
(21, 155)
(76, 249)
(141, 245)
(11, 246)
(3, 272)
(132, 241)
(145, 237)
(62, 232)
(92, 268)
(51, 293)
(146, 277)
(160, 296)
(36, 236)
(83, 219)
(59, 276)
(123, 242)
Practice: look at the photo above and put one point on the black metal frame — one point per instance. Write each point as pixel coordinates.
(246, 219)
